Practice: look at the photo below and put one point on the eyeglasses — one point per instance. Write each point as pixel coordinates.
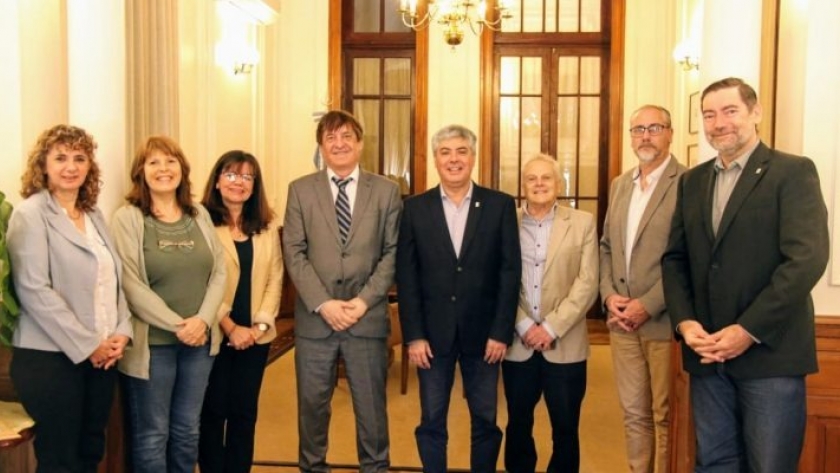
(654, 129)
(232, 176)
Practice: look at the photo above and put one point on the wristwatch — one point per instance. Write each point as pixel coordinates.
(262, 327)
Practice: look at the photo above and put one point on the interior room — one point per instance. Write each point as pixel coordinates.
(554, 76)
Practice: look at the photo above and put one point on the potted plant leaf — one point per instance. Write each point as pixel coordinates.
(8, 305)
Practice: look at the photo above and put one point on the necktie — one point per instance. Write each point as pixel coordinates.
(342, 207)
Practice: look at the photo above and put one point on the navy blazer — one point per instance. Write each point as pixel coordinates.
(55, 275)
(457, 303)
(770, 250)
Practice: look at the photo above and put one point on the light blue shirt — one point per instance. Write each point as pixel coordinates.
(533, 239)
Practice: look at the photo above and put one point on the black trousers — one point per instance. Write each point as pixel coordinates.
(70, 405)
(563, 385)
(229, 414)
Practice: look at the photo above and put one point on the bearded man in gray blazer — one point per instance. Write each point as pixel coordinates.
(339, 246)
(635, 235)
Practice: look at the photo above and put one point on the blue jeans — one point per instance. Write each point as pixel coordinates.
(164, 410)
(755, 425)
(481, 389)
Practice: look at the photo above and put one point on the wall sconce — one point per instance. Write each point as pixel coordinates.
(245, 59)
(243, 67)
(453, 14)
(687, 55)
(238, 58)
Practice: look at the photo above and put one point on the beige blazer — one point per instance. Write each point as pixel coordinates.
(266, 277)
(645, 278)
(569, 287)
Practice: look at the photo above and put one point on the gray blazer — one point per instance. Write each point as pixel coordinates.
(645, 279)
(323, 269)
(55, 274)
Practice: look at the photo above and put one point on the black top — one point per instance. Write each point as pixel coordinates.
(240, 313)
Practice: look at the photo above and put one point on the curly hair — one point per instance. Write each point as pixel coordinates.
(139, 195)
(34, 178)
(256, 213)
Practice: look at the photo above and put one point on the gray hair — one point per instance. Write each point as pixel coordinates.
(548, 159)
(453, 131)
(664, 111)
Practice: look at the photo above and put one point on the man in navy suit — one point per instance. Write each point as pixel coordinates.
(748, 242)
(458, 270)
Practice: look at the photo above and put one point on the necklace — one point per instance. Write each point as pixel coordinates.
(237, 234)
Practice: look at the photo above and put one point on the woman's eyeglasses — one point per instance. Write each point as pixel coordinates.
(232, 177)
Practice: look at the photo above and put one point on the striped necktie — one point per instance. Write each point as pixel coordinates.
(342, 207)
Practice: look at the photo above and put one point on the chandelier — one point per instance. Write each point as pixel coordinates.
(453, 14)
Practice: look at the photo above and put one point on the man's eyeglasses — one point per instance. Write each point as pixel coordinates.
(232, 176)
(654, 129)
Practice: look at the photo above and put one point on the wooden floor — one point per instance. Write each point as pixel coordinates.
(602, 437)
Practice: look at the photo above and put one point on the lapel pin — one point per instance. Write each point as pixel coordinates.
(758, 171)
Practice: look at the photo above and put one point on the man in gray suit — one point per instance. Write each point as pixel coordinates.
(635, 235)
(339, 245)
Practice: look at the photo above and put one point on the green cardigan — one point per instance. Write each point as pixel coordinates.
(147, 307)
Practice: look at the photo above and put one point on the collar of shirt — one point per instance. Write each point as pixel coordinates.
(547, 218)
(350, 188)
(740, 161)
(354, 174)
(467, 197)
(653, 177)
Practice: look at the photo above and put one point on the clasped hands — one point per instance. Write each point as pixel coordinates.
(341, 315)
(537, 338)
(108, 352)
(420, 352)
(725, 344)
(625, 314)
(242, 338)
(192, 331)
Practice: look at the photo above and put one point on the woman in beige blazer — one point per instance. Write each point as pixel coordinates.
(550, 346)
(235, 197)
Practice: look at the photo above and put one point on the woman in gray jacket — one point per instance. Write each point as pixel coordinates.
(74, 321)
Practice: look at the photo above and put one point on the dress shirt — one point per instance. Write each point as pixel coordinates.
(639, 199)
(533, 239)
(105, 293)
(725, 180)
(350, 188)
(456, 217)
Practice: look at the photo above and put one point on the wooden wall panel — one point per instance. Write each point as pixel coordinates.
(821, 452)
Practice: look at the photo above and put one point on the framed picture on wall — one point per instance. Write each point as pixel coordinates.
(692, 155)
(694, 113)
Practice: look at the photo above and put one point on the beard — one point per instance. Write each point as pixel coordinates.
(727, 144)
(646, 154)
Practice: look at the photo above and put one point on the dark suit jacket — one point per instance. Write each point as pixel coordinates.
(323, 269)
(458, 303)
(770, 250)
